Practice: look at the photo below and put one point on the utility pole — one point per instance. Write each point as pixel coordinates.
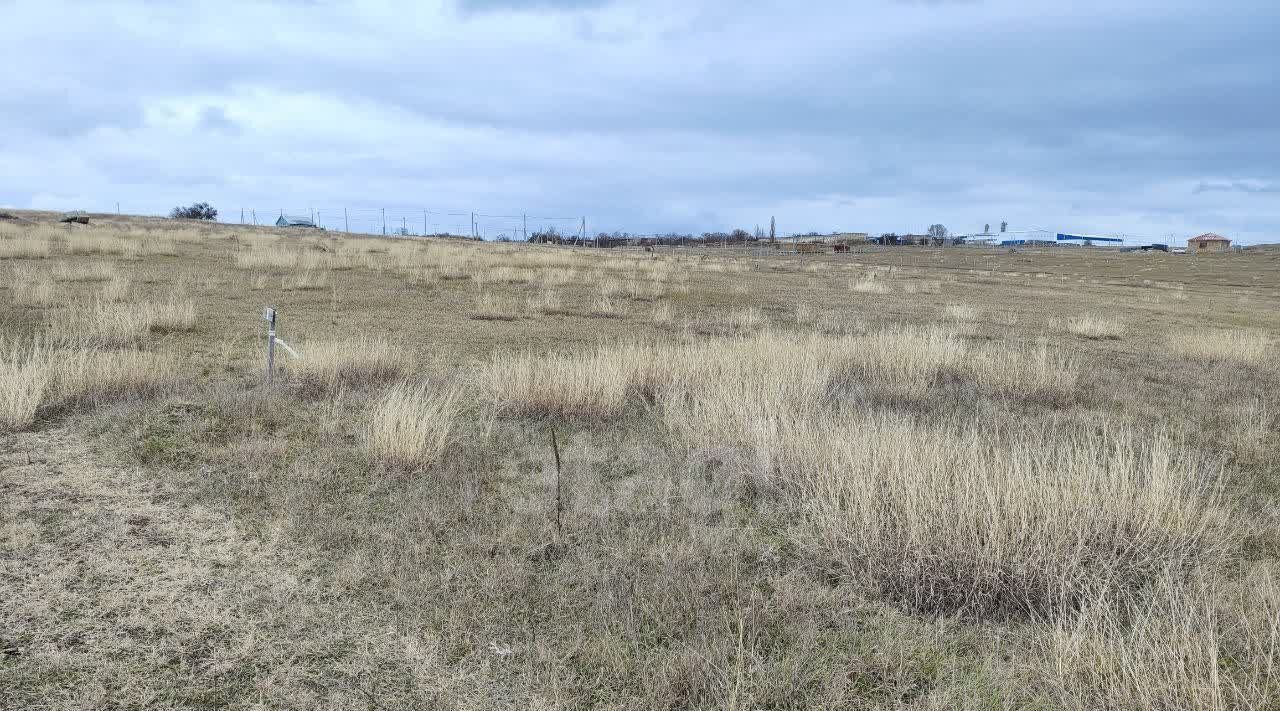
(255, 216)
(525, 218)
(473, 225)
(241, 214)
(424, 223)
(118, 210)
(346, 223)
(773, 230)
(384, 222)
(404, 226)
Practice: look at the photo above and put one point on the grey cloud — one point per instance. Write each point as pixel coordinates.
(637, 111)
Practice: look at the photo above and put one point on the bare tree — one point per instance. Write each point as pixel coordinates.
(1004, 227)
(986, 229)
(938, 234)
(773, 230)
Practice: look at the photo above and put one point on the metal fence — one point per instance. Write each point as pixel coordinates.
(414, 221)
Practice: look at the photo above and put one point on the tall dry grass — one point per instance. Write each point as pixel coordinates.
(90, 271)
(493, 307)
(899, 362)
(411, 425)
(98, 324)
(36, 375)
(961, 520)
(1096, 327)
(1239, 346)
(328, 366)
(25, 247)
(24, 377)
(1204, 643)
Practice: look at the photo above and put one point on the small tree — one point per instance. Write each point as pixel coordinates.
(938, 233)
(196, 211)
(1004, 227)
(986, 229)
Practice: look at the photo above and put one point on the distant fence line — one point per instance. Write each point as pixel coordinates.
(416, 221)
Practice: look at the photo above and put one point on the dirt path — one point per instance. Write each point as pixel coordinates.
(115, 594)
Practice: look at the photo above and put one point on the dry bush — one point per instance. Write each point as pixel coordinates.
(868, 285)
(1232, 346)
(490, 307)
(1200, 644)
(1096, 327)
(412, 425)
(97, 324)
(91, 271)
(327, 366)
(961, 312)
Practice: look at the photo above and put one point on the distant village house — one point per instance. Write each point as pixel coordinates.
(1208, 243)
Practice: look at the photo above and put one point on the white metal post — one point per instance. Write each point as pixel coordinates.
(269, 315)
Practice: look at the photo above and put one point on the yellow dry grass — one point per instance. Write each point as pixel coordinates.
(411, 425)
(1231, 345)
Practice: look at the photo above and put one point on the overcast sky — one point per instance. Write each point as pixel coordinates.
(1146, 117)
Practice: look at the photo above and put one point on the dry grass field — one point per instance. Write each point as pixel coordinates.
(899, 478)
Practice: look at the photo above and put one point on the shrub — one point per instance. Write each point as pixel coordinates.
(195, 211)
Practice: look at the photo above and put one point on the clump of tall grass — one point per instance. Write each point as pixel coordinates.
(868, 285)
(490, 307)
(32, 288)
(24, 377)
(1198, 644)
(173, 315)
(273, 258)
(951, 518)
(1233, 345)
(22, 247)
(327, 366)
(116, 290)
(411, 425)
(37, 375)
(305, 280)
(98, 324)
(961, 312)
(1096, 327)
(92, 271)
